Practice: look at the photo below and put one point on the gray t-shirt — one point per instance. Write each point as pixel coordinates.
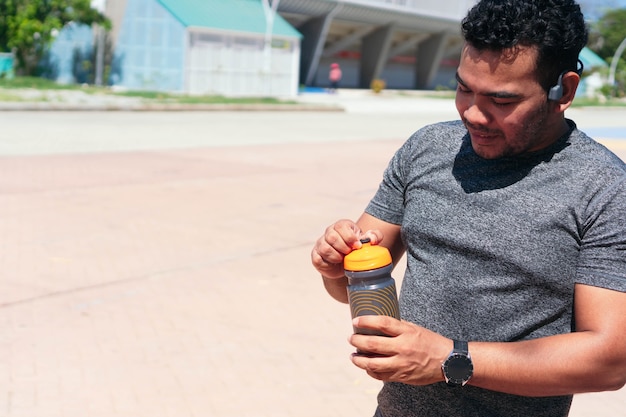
(494, 248)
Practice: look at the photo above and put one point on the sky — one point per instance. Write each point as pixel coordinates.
(98, 4)
(593, 9)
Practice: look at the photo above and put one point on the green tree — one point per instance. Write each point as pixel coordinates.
(606, 34)
(28, 27)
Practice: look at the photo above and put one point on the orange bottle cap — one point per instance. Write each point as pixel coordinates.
(367, 257)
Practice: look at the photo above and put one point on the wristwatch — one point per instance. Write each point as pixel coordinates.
(458, 368)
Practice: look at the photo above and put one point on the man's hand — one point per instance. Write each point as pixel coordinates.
(338, 240)
(411, 354)
(343, 237)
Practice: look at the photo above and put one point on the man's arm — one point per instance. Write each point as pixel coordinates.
(591, 359)
(341, 238)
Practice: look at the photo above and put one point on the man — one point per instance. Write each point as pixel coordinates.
(514, 226)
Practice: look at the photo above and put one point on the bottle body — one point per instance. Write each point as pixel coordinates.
(372, 292)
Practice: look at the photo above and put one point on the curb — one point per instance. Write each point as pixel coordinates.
(15, 106)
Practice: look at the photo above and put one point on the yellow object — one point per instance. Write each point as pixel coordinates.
(368, 257)
(378, 85)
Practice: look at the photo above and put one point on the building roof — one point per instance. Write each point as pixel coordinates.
(590, 59)
(436, 16)
(234, 15)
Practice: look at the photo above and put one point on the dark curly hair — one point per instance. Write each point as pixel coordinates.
(555, 27)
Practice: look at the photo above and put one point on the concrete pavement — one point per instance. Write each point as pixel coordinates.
(157, 263)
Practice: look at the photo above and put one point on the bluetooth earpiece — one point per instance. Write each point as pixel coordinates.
(556, 92)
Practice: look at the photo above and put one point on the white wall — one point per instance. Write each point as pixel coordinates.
(238, 65)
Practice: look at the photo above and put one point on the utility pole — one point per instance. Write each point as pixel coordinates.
(269, 7)
(100, 43)
(618, 53)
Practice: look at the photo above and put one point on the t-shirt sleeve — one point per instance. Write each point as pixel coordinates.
(388, 202)
(602, 260)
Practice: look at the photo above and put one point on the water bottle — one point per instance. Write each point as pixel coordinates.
(371, 289)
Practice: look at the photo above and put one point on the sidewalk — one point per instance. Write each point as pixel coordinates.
(157, 263)
(28, 99)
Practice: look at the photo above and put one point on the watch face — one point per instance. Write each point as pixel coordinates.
(458, 369)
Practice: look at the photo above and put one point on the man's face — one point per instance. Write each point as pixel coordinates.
(502, 104)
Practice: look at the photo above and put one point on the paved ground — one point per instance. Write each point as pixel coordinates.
(157, 264)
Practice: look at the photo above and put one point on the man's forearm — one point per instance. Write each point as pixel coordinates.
(337, 288)
(556, 365)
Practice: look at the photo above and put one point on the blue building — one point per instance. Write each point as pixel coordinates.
(593, 78)
(67, 60)
(206, 47)
(223, 47)
(218, 46)
(193, 47)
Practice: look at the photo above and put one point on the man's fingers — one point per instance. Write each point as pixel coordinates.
(344, 232)
(388, 325)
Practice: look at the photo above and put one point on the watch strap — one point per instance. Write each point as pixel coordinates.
(458, 368)
(461, 346)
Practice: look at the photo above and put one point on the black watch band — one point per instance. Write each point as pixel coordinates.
(458, 368)
(461, 346)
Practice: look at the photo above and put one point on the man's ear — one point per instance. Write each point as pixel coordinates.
(569, 82)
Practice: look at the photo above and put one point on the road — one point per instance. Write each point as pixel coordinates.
(157, 263)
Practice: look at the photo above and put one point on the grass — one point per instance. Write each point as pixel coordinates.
(33, 82)
(7, 96)
(595, 102)
(42, 84)
(160, 97)
(578, 101)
